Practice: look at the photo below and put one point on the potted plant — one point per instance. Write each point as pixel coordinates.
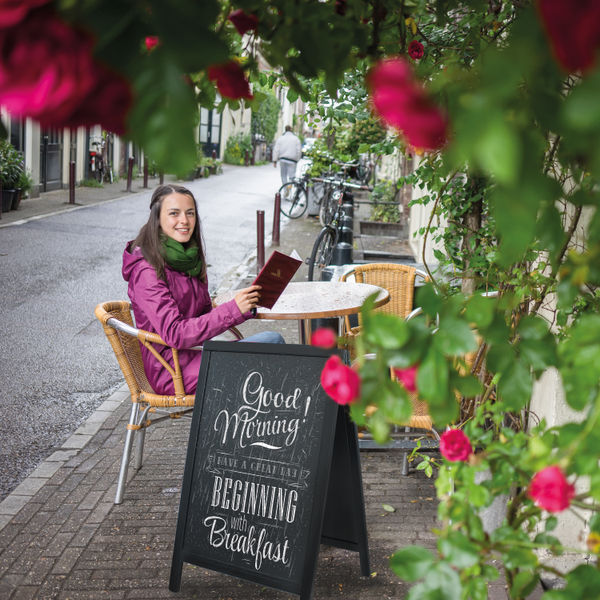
(11, 166)
(24, 185)
(385, 218)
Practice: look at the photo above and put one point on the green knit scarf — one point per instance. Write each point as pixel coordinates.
(185, 260)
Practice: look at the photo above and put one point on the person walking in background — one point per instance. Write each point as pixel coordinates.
(287, 151)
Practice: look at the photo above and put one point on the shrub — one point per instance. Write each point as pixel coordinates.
(236, 147)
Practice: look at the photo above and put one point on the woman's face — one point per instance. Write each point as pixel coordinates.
(178, 217)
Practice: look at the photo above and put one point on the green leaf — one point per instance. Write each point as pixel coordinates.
(412, 563)
(515, 386)
(498, 149)
(523, 584)
(432, 377)
(480, 310)
(386, 331)
(458, 550)
(388, 508)
(454, 337)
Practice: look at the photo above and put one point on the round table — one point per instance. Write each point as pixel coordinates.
(306, 300)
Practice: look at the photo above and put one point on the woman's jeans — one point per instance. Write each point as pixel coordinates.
(265, 337)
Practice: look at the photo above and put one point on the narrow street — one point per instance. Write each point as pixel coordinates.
(57, 366)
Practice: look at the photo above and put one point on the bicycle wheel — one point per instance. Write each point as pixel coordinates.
(322, 252)
(294, 201)
(99, 172)
(328, 207)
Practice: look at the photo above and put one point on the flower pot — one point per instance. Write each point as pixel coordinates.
(16, 199)
(7, 199)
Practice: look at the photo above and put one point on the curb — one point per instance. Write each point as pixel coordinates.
(32, 484)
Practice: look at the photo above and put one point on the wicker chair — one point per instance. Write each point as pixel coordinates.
(125, 340)
(398, 280)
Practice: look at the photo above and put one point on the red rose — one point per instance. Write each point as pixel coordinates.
(151, 42)
(402, 102)
(14, 11)
(340, 7)
(242, 21)
(46, 68)
(455, 445)
(415, 50)
(107, 104)
(48, 73)
(407, 378)
(550, 490)
(339, 381)
(573, 29)
(230, 80)
(323, 338)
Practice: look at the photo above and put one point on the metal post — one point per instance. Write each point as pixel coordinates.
(0, 199)
(145, 173)
(129, 172)
(260, 240)
(161, 178)
(246, 158)
(72, 182)
(276, 219)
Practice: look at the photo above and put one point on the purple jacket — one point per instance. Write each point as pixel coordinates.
(180, 311)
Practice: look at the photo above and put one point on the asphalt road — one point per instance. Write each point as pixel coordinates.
(56, 364)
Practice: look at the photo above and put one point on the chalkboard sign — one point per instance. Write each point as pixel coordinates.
(257, 469)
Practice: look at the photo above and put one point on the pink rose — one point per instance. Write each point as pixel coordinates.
(151, 42)
(550, 490)
(415, 50)
(573, 29)
(339, 381)
(230, 80)
(323, 338)
(14, 11)
(46, 68)
(407, 378)
(455, 445)
(107, 104)
(402, 102)
(242, 21)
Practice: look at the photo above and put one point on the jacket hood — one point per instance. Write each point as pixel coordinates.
(131, 260)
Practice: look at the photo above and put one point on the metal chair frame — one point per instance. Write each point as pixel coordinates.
(118, 326)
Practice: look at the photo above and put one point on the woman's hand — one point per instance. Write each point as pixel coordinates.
(247, 298)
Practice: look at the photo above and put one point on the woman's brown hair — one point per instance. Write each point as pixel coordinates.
(148, 239)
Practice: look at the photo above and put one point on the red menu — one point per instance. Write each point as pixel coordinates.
(274, 277)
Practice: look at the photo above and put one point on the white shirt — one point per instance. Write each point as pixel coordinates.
(287, 146)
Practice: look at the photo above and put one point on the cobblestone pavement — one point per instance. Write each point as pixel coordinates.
(61, 536)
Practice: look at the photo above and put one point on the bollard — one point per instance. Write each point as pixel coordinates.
(246, 158)
(348, 209)
(129, 173)
(276, 215)
(161, 178)
(72, 182)
(145, 174)
(260, 240)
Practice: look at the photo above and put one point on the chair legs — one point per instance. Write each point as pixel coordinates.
(126, 454)
(136, 418)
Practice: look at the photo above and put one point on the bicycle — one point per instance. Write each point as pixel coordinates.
(338, 191)
(100, 165)
(294, 195)
(322, 250)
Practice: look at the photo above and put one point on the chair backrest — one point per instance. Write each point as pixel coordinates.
(126, 347)
(398, 280)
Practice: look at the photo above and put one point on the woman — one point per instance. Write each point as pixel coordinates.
(166, 273)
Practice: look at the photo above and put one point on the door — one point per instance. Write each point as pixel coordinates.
(51, 160)
(210, 131)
